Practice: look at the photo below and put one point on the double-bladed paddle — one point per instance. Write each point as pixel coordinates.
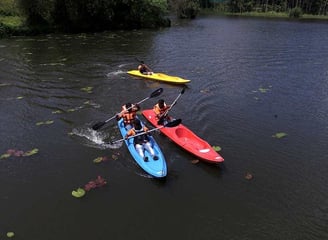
(152, 95)
(161, 118)
(174, 123)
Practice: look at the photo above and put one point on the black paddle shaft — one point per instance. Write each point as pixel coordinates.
(152, 95)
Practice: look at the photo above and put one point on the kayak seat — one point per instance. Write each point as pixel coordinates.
(189, 138)
(182, 134)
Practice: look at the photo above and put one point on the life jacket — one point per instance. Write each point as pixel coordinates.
(158, 110)
(128, 117)
(142, 138)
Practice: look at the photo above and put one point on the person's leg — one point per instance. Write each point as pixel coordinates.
(140, 151)
(149, 148)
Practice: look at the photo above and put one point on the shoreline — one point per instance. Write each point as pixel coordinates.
(14, 25)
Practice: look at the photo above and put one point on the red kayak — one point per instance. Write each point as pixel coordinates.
(186, 139)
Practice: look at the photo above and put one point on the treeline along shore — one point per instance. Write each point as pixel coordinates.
(26, 17)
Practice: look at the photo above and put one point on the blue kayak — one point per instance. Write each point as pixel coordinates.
(156, 168)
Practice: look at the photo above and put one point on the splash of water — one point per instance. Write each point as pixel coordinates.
(95, 138)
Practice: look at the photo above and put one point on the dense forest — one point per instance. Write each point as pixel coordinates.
(315, 7)
(23, 16)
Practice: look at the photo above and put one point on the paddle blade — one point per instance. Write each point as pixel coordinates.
(98, 125)
(156, 93)
(174, 123)
(183, 90)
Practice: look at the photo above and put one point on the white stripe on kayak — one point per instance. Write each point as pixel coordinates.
(205, 150)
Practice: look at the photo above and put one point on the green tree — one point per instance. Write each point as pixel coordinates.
(185, 8)
(95, 15)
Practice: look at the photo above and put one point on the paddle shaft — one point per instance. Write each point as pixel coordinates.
(174, 102)
(170, 124)
(153, 94)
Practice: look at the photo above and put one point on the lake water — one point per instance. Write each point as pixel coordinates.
(250, 79)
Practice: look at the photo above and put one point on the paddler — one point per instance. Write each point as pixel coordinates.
(160, 109)
(141, 141)
(128, 113)
(144, 69)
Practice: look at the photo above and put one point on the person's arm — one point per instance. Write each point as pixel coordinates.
(156, 110)
(131, 132)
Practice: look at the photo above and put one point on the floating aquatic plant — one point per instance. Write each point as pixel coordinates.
(263, 90)
(279, 135)
(100, 159)
(80, 192)
(96, 183)
(57, 111)
(10, 234)
(45, 122)
(216, 148)
(115, 156)
(248, 176)
(87, 89)
(19, 153)
(31, 152)
(5, 155)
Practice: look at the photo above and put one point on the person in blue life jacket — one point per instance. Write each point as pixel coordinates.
(141, 142)
(144, 69)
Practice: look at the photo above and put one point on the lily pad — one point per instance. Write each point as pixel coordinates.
(5, 155)
(45, 122)
(57, 112)
(195, 161)
(10, 234)
(87, 89)
(263, 90)
(216, 148)
(100, 159)
(78, 193)
(280, 135)
(31, 152)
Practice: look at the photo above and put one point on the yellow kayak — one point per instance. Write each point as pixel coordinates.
(160, 77)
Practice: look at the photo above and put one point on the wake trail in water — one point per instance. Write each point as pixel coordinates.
(95, 139)
(115, 73)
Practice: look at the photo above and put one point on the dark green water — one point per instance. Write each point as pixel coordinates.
(250, 79)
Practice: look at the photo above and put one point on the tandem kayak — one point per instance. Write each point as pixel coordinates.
(156, 168)
(186, 139)
(160, 77)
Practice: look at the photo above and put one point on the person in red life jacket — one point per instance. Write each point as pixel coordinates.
(128, 113)
(141, 142)
(144, 69)
(160, 110)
